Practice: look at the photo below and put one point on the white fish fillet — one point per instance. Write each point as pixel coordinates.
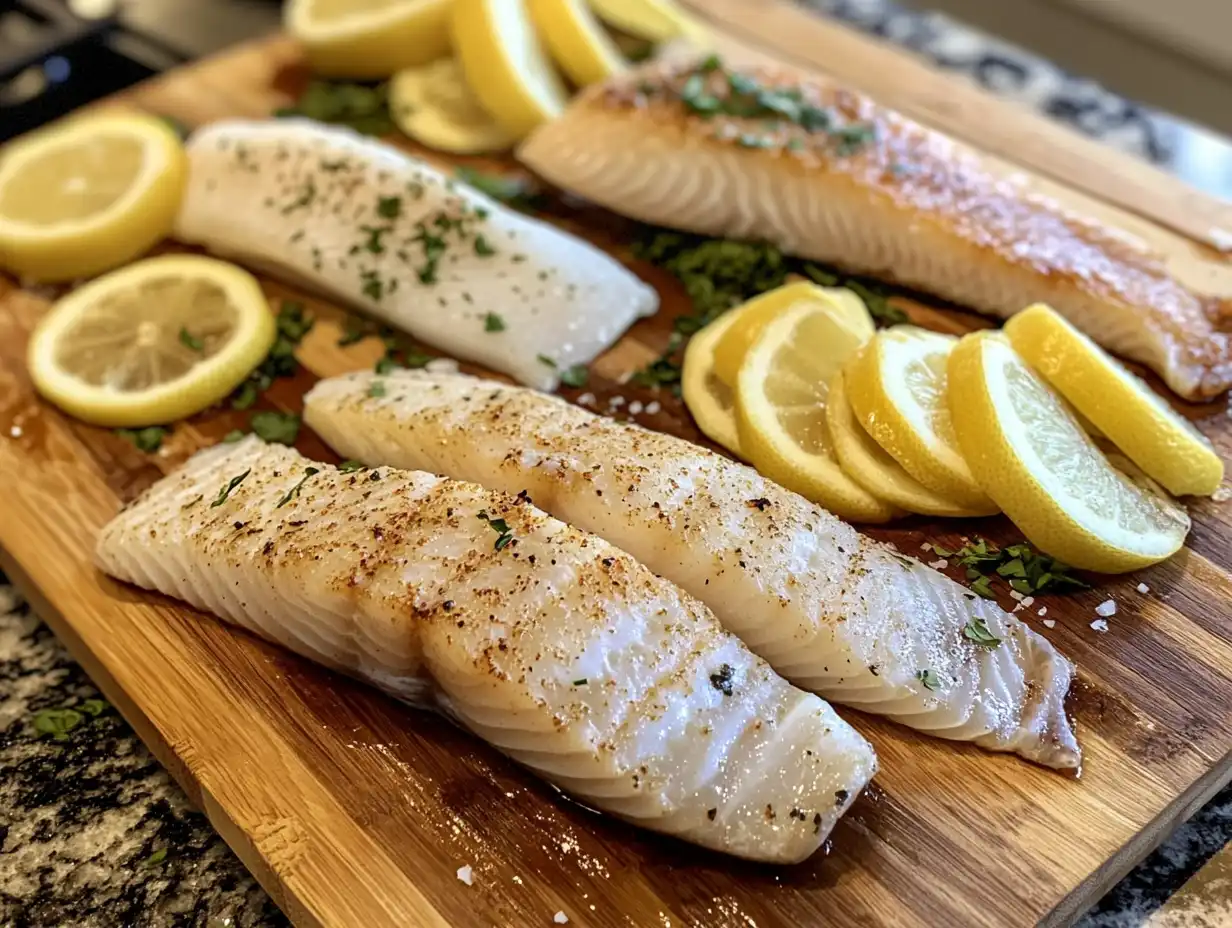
(831, 610)
(369, 225)
(893, 199)
(555, 647)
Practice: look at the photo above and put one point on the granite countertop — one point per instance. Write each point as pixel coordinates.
(93, 831)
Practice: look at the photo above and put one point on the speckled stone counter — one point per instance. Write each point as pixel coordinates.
(93, 832)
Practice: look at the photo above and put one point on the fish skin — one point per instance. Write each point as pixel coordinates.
(558, 649)
(911, 205)
(831, 610)
(302, 201)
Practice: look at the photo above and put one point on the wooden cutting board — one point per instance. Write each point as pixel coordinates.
(353, 810)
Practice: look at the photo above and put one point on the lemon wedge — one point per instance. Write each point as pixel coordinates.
(898, 391)
(583, 50)
(1120, 405)
(369, 38)
(1036, 461)
(756, 314)
(711, 402)
(153, 342)
(867, 463)
(435, 106)
(88, 195)
(505, 65)
(653, 20)
(781, 416)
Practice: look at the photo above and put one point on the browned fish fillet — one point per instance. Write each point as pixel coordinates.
(826, 174)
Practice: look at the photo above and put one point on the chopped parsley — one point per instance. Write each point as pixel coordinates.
(492, 322)
(279, 427)
(544, 359)
(504, 534)
(364, 108)
(57, 723)
(977, 631)
(350, 467)
(389, 207)
(148, 439)
(376, 389)
(575, 376)
(233, 436)
(518, 192)
(1027, 571)
(157, 857)
(225, 492)
(292, 325)
(929, 678)
(483, 247)
(190, 341)
(293, 493)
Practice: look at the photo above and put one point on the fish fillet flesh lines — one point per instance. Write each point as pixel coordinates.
(870, 190)
(361, 221)
(829, 609)
(550, 644)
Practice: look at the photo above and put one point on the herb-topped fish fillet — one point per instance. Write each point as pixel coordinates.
(831, 610)
(360, 220)
(550, 644)
(826, 174)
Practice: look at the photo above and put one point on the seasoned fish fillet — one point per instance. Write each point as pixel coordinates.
(351, 217)
(824, 173)
(831, 610)
(550, 644)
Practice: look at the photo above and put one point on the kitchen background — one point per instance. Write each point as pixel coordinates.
(94, 832)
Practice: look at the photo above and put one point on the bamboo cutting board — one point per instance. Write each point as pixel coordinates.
(355, 811)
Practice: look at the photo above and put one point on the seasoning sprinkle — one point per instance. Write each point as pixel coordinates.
(293, 493)
(225, 492)
(492, 322)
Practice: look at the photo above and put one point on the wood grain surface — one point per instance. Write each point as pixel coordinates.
(355, 811)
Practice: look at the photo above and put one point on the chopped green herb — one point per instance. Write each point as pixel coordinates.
(225, 492)
(575, 376)
(980, 585)
(245, 395)
(977, 631)
(365, 109)
(492, 322)
(386, 365)
(279, 427)
(504, 534)
(148, 439)
(350, 467)
(1027, 571)
(544, 359)
(233, 436)
(389, 207)
(517, 192)
(356, 331)
(710, 63)
(57, 723)
(483, 247)
(157, 857)
(929, 678)
(292, 325)
(190, 341)
(376, 389)
(293, 493)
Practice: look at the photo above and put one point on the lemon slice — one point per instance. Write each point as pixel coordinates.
(898, 391)
(653, 20)
(781, 416)
(867, 463)
(88, 195)
(434, 106)
(756, 314)
(505, 64)
(711, 401)
(576, 40)
(154, 342)
(369, 38)
(1122, 407)
(1036, 461)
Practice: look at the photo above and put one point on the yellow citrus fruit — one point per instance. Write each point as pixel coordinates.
(584, 51)
(1037, 462)
(1128, 412)
(153, 342)
(88, 195)
(781, 415)
(434, 105)
(711, 402)
(868, 464)
(369, 38)
(505, 65)
(898, 389)
(756, 314)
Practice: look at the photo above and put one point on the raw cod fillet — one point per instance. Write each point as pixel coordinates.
(829, 609)
(551, 645)
(872, 191)
(377, 229)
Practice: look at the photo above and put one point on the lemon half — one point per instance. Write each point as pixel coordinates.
(780, 410)
(88, 195)
(434, 105)
(898, 389)
(369, 38)
(711, 401)
(1043, 469)
(151, 343)
(1120, 405)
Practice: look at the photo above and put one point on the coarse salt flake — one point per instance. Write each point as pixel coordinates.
(653, 408)
(1106, 608)
(1026, 603)
(939, 564)
(586, 399)
(466, 875)
(560, 918)
(1043, 611)
(635, 407)
(15, 431)
(1222, 495)
(1143, 589)
(926, 547)
(1016, 596)
(616, 402)
(442, 366)
(1100, 625)
(1050, 623)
